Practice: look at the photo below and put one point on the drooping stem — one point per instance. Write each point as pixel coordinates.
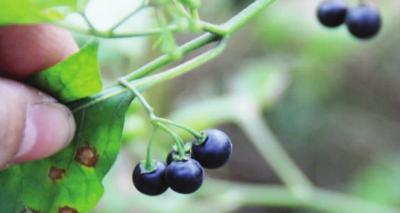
(178, 141)
(227, 28)
(232, 25)
(138, 95)
(199, 136)
(157, 122)
(261, 136)
(149, 162)
(144, 83)
(225, 193)
(166, 59)
(142, 6)
(88, 22)
(149, 81)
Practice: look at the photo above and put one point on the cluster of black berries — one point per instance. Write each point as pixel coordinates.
(363, 21)
(185, 175)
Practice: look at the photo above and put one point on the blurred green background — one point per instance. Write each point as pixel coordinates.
(331, 100)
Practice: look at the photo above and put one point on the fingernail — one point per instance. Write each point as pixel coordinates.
(49, 127)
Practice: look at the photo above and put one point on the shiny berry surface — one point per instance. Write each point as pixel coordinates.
(332, 13)
(184, 176)
(150, 183)
(364, 21)
(215, 151)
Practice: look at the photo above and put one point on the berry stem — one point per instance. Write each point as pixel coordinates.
(198, 135)
(143, 101)
(178, 141)
(157, 122)
(149, 165)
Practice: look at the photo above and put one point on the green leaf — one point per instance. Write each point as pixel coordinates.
(34, 11)
(75, 78)
(71, 181)
(72, 178)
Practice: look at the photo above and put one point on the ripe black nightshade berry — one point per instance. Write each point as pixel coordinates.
(150, 183)
(364, 21)
(185, 176)
(215, 151)
(332, 13)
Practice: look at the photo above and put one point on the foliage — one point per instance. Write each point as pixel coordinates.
(72, 179)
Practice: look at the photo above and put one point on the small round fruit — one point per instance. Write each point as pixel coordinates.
(184, 176)
(215, 151)
(364, 21)
(150, 183)
(332, 13)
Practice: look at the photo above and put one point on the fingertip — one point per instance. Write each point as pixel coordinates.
(28, 49)
(32, 124)
(49, 128)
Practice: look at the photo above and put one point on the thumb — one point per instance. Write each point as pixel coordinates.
(33, 125)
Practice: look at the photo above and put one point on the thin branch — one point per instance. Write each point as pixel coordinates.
(142, 6)
(249, 118)
(240, 194)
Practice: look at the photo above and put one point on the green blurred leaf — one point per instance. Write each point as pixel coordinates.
(34, 11)
(75, 78)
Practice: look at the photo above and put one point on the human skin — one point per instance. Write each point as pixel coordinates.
(33, 125)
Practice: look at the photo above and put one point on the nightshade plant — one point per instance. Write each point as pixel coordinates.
(71, 181)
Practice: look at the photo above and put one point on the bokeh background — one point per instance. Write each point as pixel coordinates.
(332, 101)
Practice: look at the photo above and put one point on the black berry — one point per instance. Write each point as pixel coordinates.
(150, 183)
(364, 21)
(215, 151)
(185, 176)
(332, 13)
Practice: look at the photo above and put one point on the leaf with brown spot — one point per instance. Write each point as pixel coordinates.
(86, 156)
(43, 185)
(56, 173)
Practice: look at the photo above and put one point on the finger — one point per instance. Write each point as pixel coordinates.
(27, 49)
(33, 125)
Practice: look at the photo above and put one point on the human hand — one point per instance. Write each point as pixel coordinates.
(32, 124)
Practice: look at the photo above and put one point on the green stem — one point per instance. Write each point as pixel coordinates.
(243, 17)
(157, 123)
(144, 83)
(196, 134)
(166, 59)
(178, 141)
(106, 34)
(88, 22)
(212, 28)
(137, 93)
(149, 166)
(149, 81)
(279, 196)
(182, 9)
(227, 28)
(233, 25)
(249, 118)
(124, 19)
